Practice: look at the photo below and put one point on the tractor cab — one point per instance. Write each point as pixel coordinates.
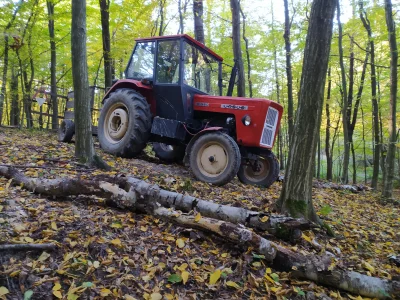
(177, 67)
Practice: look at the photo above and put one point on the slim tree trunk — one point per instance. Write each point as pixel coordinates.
(296, 195)
(278, 99)
(105, 33)
(198, 20)
(161, 14)
(237, 50)
(289, 77)
(84, 149)
(53, 64)
(14, 115)
(246, 41)
(390, 158)
(346, 142)
(375, 107)
(328, 153)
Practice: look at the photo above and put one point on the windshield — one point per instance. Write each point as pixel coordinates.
(200, 70)
(141, 64)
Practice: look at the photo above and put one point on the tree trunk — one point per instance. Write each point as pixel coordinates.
(198, 20)
(105, 33)
(53, 65)
(375, 107)
(237, 50)
(142, 196)
(14, 114)
(390, 158)
(246, 41)
(84, 149)
(296, 195)
(289, 77)
(161, 14)
(345, 117)
(329, 162)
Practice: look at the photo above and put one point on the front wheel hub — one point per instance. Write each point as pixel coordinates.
(116, 124)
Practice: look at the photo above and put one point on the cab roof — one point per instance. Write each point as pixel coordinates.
(177, 36)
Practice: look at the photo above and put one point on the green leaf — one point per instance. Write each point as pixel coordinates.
(28, 294)
(174, 278)
(326, 210)
(87, 284)
(257, 256)
(299, 291)
(275, 277)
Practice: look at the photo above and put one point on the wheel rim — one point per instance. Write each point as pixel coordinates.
(212, 159)
(116, 123)
(262, 170)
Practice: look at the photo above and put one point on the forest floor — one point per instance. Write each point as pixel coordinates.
(108, 253)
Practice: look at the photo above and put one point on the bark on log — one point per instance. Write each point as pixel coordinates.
(27, 247)
(314, 268)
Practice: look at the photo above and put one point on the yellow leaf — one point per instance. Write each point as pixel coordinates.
(155, 296)
(57, 286)
(169, 249)
(1, 207)
(224, 255)
(264, 219)
(3, 291)
(57, 294)
(269, 279)
(215, 276)
(54, 226)
(180, 243)
(185, 276)
(198, 217)
(274, 289)
(28, 239)
(129, 297)
(368, 267)
(306, 238)
(232, 284)
(268, 271)
(116, 242)
(15, 273)
(169, 296)
(105, 292)
(143, 228)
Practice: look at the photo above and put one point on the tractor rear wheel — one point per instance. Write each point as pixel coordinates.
(124, 123)
(215, 158)
(169, 153)
(262, 171)
(66, 131)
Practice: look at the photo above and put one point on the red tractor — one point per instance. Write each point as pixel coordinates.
(172, 96)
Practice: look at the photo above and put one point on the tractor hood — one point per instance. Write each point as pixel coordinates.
(265, 117)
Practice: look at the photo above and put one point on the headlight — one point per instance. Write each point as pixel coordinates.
(246, 120)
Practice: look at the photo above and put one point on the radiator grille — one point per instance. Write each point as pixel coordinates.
(267, 137)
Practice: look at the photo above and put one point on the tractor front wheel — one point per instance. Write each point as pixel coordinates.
(169, 153)
(124, 123)
(262, 170)
(215, 158)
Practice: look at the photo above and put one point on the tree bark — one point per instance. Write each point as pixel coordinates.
(105, 33)
(84, 149)
(237, 50)
(390, 158)
(345, 117)
(14, 115)
(296, 195)
(145, 197)
(289, 77)
(375, 107)
(198, 20)
(246, 42)
(329, 161)
(53, 64)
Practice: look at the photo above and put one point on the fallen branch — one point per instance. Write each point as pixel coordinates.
(27, 247)
(146, 197)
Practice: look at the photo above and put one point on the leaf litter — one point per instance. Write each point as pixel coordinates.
(108, 253)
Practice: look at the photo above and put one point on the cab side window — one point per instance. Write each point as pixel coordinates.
(142, 61)
(168, 62)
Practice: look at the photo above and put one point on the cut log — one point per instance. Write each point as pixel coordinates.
(146, 197)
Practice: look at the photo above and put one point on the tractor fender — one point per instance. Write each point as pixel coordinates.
(194, 139)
